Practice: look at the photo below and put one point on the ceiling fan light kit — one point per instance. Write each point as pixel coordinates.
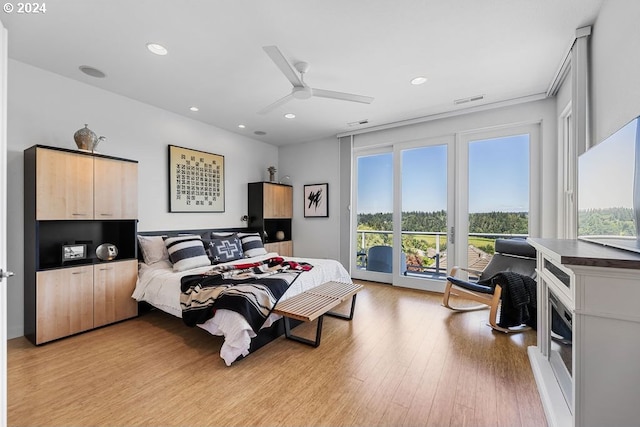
(300, 90)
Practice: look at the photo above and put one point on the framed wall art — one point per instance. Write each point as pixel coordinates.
(316, 200)
(74, 252)
(196, 181)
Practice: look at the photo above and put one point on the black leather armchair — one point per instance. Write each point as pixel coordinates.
(514, 260)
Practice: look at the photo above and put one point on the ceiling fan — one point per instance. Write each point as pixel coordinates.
(300, 89)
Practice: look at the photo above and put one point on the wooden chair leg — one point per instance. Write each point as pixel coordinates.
(495, 303)
(445, 297)
(493, 315)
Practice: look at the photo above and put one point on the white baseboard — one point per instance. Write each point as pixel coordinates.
(555, 407)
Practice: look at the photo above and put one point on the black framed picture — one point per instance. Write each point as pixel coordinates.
(316, 200)
(74, 252)
(196, 181)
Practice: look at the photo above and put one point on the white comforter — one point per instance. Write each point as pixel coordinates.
(159, 285)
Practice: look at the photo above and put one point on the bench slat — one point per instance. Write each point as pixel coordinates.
(315, 302)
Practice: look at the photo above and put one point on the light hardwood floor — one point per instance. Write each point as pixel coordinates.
(403, 360)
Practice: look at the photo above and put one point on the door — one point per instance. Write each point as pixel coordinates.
(425, 196)
(372, 248)
(3, 225)
(435, 203)
(64, 185)
(113, 284)
(496, 191)
(404, 194)
(64, 302)
(115, 189)
(277, 201)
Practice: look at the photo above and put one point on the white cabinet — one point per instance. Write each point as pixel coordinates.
(598, 290)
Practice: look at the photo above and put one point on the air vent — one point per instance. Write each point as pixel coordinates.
(470, 99)
(358, 123)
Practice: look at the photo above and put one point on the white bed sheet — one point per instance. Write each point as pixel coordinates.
(159, 286)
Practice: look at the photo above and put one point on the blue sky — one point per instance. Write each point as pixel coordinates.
(498, 178)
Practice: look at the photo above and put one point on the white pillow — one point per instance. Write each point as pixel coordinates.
(153, 249)
(252, 244)
(186, 252)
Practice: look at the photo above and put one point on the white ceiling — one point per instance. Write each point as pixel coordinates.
(502, 49)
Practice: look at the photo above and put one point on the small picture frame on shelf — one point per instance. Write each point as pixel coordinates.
(316, 200)
(74, 252)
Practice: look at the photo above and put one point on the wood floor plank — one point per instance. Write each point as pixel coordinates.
(403, 360)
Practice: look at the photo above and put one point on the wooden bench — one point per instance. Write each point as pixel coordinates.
(314, 304)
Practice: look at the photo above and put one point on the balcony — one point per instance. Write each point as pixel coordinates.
(425, 252)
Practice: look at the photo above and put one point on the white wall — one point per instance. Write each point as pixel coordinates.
(45, 108)
(542, 111)
(314, 163)
(615, 67)
(319, 161)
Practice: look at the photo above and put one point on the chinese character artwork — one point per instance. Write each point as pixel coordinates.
(196, 181)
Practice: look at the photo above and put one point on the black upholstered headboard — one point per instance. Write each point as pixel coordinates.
(205, 233)
(202, 232)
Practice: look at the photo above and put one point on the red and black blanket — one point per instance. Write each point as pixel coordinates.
(250, 289)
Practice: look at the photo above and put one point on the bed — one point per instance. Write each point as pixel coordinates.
(159, 284)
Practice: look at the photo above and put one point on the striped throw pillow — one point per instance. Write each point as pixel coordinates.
(186, 252)
(251, 244)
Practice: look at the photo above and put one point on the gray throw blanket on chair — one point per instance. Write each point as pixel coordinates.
(519, 302)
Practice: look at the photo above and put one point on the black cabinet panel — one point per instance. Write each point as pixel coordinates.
(272, 226)
(54, 234)
(267, 227)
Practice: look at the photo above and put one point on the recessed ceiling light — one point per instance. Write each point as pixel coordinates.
(194, 108)
(290, 116)
(93, 72)
(241, 126)
(418, 80)
(156, 48)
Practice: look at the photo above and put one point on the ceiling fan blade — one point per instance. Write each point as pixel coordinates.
(342, 96)
(276, 104)
(281, 62)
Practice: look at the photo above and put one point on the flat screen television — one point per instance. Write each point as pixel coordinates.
(609, 190)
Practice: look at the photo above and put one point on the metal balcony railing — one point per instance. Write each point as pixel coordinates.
(433, 263)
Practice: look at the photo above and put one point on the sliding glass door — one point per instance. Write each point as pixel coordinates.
(373, 237)
(404, 245)
(496, 191)
(498, 194)
(421, 207)
(425, 192)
